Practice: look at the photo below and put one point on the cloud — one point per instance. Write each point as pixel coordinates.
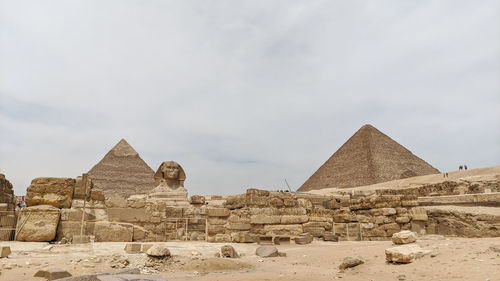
(244, 94)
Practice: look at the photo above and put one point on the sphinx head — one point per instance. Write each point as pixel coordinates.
(172, 173)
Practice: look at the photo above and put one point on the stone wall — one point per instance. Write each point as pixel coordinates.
(256, 213)
(7, 207)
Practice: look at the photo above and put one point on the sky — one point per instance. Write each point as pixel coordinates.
(244, 94)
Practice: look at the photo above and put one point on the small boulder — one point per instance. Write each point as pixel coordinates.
(52, 273)
(405, 253)
(350, 262)
(404, 237)
(304, 238)
(158, 251)
(228, 251)
(267, 252)
(4, 251)
(330, 237)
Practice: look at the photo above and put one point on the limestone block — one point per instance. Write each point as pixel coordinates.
(136, 201)
(116, 202)
(139, 233)
(216, 229)
(383, 220)
(238, 226)
(267, 252)
(283, 229)
(403, 219)
(4, 251)
(383, 212)
(297, 211)
(158, 250)
(350, 262)
(390, 226)
(315, 231)
(257, 201)
(57, 192)
(67, 229)
(276, 202)
(7, 220)
(196, 199)
(404, 237)
(235, 201)
(405, 254)
(96, 195)
(75, 214)
(305, 204)
(330, 237)
(4, 207)
(290, 202)
(401, 211)
(217, 212)
(52, 273)
(222, 238)
(113, 232)
(409, 203)
(257, 192)
(265, 219)
(291, 219)
(304, 238)
(38, 224)
(128, 215)
(133, 248)
(217, 221)
(91, 204)
(363, 219)
(243, 237)
(265, 211)
(418, 214)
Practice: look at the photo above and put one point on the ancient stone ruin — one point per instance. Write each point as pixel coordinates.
(368, 157)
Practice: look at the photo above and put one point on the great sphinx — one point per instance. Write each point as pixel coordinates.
(169, 178)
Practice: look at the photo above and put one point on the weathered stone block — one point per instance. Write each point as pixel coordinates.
(115, 202)
(52, 273)
(383, 212)
(291, 219)
(265, 219)
(196, 199)
(57, 192)
(38, 224)
(4, 251)
(404, 237)
(283, 229)
(418, 214)
(404, 219)
(235, 201)
(217, 212)
(238, 226)
(405, 253)
(128, 215)
(315, 231)
(243, 237)
(133, 248)
(113, 232)
(304, 238)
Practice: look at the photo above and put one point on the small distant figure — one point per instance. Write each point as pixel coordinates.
(23, 205)
(446, 174)
(465, 167)
(460, 168)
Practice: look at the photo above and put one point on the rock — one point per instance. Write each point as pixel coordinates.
(38, 224)
(4, 251)
(133, 248)
(404, 237)
(304, 238)
(52, 273)
(196, 199)
(158, 251)
(495, 248)
(228, 251)
(57, 192)
(265, 219)
(330, 237)
(405, 254)
(113, 231)
(217, 212)
(418, 214)
(267, 251)
(291, 219)
(350, 262)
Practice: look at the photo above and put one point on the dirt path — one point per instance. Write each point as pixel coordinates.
(456, 259)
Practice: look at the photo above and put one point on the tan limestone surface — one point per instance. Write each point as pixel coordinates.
(450, 259)
(122, 172)
(474, 175)
(368, 157)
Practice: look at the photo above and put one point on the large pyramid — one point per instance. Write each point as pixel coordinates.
(122, 172)
(368, 157)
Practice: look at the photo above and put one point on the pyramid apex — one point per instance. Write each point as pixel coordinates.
(123, 148)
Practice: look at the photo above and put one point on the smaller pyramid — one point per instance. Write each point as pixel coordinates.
(368, 157)
(122, 172)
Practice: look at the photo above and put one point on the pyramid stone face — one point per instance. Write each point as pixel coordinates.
(368, 157)
(122, 172)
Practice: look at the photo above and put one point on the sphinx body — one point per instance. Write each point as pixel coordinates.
(170, 188)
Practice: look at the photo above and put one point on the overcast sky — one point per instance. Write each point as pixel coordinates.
(244, 93)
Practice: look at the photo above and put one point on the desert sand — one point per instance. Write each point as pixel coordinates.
(451, 259)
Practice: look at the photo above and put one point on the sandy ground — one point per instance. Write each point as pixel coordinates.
(482, 174)
(455, 259)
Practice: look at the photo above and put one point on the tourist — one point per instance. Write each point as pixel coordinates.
(465, 167)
